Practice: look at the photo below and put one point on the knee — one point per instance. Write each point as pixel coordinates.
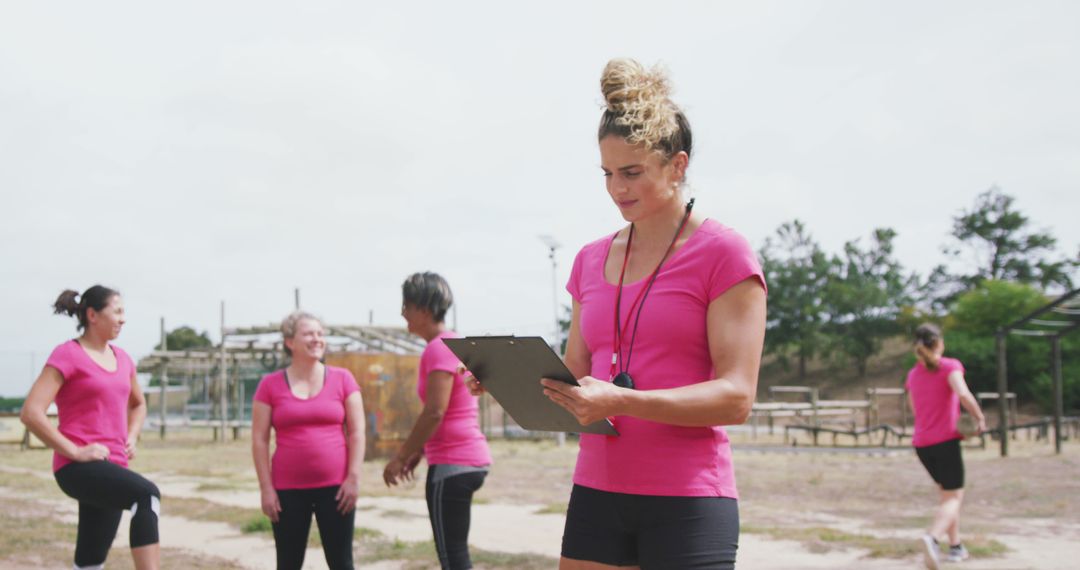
(147, 500)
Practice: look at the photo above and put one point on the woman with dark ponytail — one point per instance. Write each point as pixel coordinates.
(937, 390)
(101, 411)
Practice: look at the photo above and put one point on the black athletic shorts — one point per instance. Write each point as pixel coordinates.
(944, 463)
(650, 531)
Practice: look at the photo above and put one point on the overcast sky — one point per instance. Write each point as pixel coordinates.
(193, 152)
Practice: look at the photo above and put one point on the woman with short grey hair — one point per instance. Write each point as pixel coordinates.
(447, 431)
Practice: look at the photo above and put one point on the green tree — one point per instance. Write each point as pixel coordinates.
(998, 238)
(866, 290)
(797, 272)
(185, 337)
(181, 338)
(970, 329)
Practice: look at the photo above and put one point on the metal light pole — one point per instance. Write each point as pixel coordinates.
(552, 245)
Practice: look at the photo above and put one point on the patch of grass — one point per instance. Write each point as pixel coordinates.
(203, 510)
(257, 524)
(980, 546)
(31, 530)
(32, 536)
(29, 483)
(552, 509)
(400, 514)
(365, 533)
(224, 486)
(823, 539)
(374, 549)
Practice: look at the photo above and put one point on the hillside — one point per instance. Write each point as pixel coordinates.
(839, 381)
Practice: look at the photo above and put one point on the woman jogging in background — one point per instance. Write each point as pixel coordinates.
(447, 432)
(937, 390)
(318, 419)
(665, 338)
(101, 411)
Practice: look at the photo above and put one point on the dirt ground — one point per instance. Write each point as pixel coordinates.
(800, 508)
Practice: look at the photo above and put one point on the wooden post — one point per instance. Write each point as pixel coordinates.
(164, 378)
(239, 399)
(1059, 405)
(222, 396)
(1003, 397)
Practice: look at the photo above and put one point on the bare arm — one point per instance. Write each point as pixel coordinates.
(136, 416)
(736, 330)
(34, 416)
(354, 426)
(440, 384)
(967, 399)
(260, 454)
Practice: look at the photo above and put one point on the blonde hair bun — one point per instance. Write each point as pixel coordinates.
(640, 100)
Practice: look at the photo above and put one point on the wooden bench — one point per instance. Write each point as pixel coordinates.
(235, 425)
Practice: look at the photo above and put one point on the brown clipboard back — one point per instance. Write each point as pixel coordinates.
(510, 369)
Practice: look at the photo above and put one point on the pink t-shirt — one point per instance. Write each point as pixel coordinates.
(458, 439)
(937, 407)
(92, 403)
(311, 450)
(671, 350)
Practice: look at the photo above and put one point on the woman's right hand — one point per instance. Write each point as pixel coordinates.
(271, 506)
(92, 452)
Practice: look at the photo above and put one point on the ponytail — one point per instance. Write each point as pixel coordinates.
(70, 303)
(67, 303)
(926, 338)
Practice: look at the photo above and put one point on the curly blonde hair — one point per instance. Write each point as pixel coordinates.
(640, 110)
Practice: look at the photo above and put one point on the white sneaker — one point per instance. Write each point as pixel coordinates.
(957, 554)
(931, 552)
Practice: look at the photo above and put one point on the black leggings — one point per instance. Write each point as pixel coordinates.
(294, 524)
(449, 493)
(104, 490)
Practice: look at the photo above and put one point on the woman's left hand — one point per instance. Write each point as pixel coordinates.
(591, 401)
(129, 447)
(348, 493)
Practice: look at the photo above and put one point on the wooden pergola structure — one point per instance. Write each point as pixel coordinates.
(1051, 321)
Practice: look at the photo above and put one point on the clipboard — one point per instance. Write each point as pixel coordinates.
(510, 368)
